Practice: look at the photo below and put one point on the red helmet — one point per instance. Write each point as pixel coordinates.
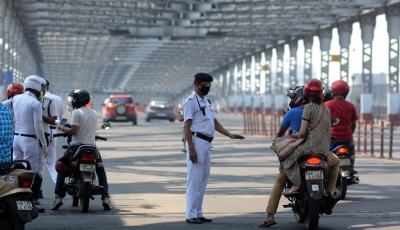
(14, 89)
(340, 88)
(313, 87)
(64, 167)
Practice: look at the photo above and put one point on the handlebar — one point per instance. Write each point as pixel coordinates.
(101, 138)
(65, 135)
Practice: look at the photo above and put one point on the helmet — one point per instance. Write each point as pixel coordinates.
(64, 167)
(327, 96)
(36, 83)
(340, 88)
(14, 89)
(82, 97)
(313, 87)
(296, 94)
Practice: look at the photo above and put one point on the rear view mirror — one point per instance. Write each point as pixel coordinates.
(106, 126)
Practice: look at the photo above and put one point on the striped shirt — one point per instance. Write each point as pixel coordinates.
(6, 134)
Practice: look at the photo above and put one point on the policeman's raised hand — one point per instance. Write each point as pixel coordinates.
(193, 157)
(236, 136)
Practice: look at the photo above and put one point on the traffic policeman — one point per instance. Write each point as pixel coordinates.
(200, 125)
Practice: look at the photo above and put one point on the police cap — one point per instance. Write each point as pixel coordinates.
(200, 77)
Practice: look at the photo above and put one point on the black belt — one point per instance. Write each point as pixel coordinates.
(52, 127)
(204, 137)
(25, 135)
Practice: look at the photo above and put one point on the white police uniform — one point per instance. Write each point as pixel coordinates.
(49, 109)
(198, 174)
(27, 110)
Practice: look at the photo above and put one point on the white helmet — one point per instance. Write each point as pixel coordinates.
(36, 83)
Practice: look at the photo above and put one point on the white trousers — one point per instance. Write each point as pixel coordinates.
(52, 157)
(26, 148)
(40, 165)
(197, 177)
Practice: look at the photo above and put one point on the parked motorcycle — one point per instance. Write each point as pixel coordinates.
(16, 208)
(311, 202)
(82, 172)
(341, 149)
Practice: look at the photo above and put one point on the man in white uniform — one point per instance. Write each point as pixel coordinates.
(59, 111)
(200, 125)
(27, 111)
(83, 132)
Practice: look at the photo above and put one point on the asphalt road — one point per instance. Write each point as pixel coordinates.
(146, 172)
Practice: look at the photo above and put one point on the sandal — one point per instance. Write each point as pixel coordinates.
(266, 224)
(292, 191)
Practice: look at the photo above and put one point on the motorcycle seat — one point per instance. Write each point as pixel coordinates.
(7, 167)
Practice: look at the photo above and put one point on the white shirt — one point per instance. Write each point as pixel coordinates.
(45, 107)
(203, 124)
(27, 110)
(58, 100)
(86, 119)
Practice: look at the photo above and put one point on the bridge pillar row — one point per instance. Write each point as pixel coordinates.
(393, 22)
(345, 30)
(247, 84)
(279, 92)
(308, 43)
(325, 37)
(293, 80)
(266, 69)
(367, 24)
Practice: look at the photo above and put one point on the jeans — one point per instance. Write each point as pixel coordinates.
(101, 174)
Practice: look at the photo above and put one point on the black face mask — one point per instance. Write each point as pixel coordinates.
(204, 90)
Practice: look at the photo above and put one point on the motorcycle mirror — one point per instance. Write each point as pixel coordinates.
(180, 112)
(334, 121)
(106, 126)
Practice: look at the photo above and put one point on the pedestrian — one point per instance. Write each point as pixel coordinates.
(51, 156)
(200, 125)
(6, 134)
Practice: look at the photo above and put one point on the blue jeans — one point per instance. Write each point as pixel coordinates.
(101, 173)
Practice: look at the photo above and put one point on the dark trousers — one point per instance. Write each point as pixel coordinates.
(101, 174)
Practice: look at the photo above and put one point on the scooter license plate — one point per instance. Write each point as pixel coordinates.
(87, 168)
(24, 205)
(314, 175)
(345, 162)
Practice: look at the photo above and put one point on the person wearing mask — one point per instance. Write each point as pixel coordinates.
(316, 116)
(347, 114)
(200, 123)
(83, 132)
(27, 110)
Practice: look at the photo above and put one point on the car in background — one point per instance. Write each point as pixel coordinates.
(119, 107)
(160, 108)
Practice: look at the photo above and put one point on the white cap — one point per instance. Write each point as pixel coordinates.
(33, 82)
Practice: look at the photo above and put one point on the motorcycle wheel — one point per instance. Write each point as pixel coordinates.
(75, 201)
(312, 217)
(11, 221)
(85, 195)
(341, 184)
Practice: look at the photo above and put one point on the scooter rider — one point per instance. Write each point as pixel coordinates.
(27, 111)
(347, 114)
(83, 131)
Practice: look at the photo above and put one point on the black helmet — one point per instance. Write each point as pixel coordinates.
(82, 97)
(327, 95)
(296, 94)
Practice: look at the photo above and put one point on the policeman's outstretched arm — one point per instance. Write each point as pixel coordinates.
(225, 132)
(188, 136)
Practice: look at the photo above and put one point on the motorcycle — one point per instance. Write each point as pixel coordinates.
(341, 149)
(311, 202)
(82, 175)
(16, 208)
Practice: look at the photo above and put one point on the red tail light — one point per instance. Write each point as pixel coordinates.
(24, 182)
(314, 160)
(87, 157)
(343, 150)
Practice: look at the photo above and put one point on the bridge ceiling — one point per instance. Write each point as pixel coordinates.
(153, 48)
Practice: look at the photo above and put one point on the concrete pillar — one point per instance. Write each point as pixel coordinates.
(393, 22)
(267, 99)
(325, 37)
(367, 34)
(308, 43)
(293, 81)
(239, 86)
(345, 30)
(279, 92)
(257, 103)
(248, 98)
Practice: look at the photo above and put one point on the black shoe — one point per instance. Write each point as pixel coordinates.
(353, 172)
(41, 194)
(194, 221)
(203, 219)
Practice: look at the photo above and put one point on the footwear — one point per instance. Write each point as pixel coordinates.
(56, 204)
(353, 172)
(106, 204)
(285, 191)
(194, 221)
(293, 190)
(266, 224)
(40, 210)
(36, 201)
(203, 219)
